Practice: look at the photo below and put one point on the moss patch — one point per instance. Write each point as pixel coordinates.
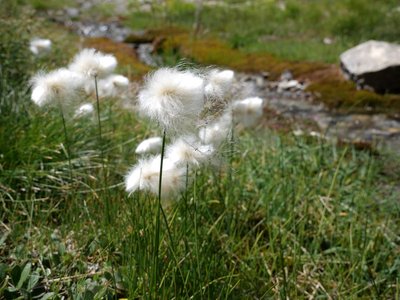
(211, 51)
(125, 54)
(337, 93)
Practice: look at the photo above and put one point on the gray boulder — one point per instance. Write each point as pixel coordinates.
(373, 65)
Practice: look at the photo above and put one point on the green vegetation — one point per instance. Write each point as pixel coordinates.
(295, 32)
(48, 4)
(281, 217)
(303, 217)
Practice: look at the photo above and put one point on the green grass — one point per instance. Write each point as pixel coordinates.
(48, 4)
(302, 217)
(280, 217)
(293, 33)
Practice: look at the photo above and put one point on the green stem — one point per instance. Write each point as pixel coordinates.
(104, 171)
(231, 156)
(196, 237)
(186, 208)
(98, 110)
(100, 140)
(158, 215)
(66, 140)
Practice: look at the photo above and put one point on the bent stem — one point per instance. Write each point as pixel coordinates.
(157, 229)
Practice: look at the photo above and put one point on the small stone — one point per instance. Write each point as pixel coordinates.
(328, 41)
(72, 12)
(286, 76)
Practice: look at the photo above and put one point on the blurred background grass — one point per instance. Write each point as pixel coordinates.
(292, 29)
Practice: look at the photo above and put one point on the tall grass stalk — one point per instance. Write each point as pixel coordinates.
(102, 158)
(196, 232)
(67, 145)
(158, 216)
(105, 178)
(231, 158)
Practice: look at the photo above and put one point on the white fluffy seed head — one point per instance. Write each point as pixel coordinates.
(145, 176)
(173, 98)
(119, 81)
(90, 62)
(248, 111)
(61, 84)
(219, 83)
(149, 146)
(84, 110)
(216, 132)
(189, 151)
(110, 86)
(39, 46)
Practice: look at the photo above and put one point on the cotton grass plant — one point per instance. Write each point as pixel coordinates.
(89, 72)
(59, 87)
(94, 65)
(65, 85)
(194, 108)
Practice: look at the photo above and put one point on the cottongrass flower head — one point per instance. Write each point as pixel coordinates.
(219, 83)
(248, 111)
(111, 86)
(149, 146)
(84, 110)
(216, 131)
(145, 176)
(38, 46)
(92, 63)
(173, 98)
(61, 84)
(188, 150)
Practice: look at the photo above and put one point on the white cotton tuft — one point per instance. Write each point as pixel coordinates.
(84, 110)
(39, 46)
(216, 132)
(39, 95)
(119, 81)
(110, 86)
(61, 84)
(145, 176)
(219, 83)
(90, 62)
(151, 145)
(173, 98)
(248, 111)
(189, 151)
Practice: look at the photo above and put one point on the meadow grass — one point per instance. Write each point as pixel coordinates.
(282, 216)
